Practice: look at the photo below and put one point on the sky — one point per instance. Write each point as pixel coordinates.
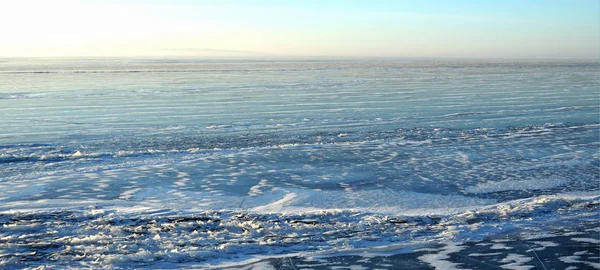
(304, 28)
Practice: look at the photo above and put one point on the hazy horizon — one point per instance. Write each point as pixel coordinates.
(301, 29)
(308, 58)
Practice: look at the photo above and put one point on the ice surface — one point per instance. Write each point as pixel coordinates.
(148, 163)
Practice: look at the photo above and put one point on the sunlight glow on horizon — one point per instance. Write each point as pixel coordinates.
(377, 28)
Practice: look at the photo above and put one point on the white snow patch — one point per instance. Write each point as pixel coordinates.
(527, 184)
(516, 262)
(259, 266)
(588, 240)
(277, 205)
(576, 259)
(438, 260)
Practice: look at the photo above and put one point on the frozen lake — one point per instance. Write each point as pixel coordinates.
(188, 163)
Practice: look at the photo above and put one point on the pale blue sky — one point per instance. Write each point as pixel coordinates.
(338, 28)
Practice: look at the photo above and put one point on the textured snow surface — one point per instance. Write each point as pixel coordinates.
(132, 163)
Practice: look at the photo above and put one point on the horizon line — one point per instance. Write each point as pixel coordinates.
(274, 56)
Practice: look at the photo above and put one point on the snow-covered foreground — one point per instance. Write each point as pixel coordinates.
(123, 236)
